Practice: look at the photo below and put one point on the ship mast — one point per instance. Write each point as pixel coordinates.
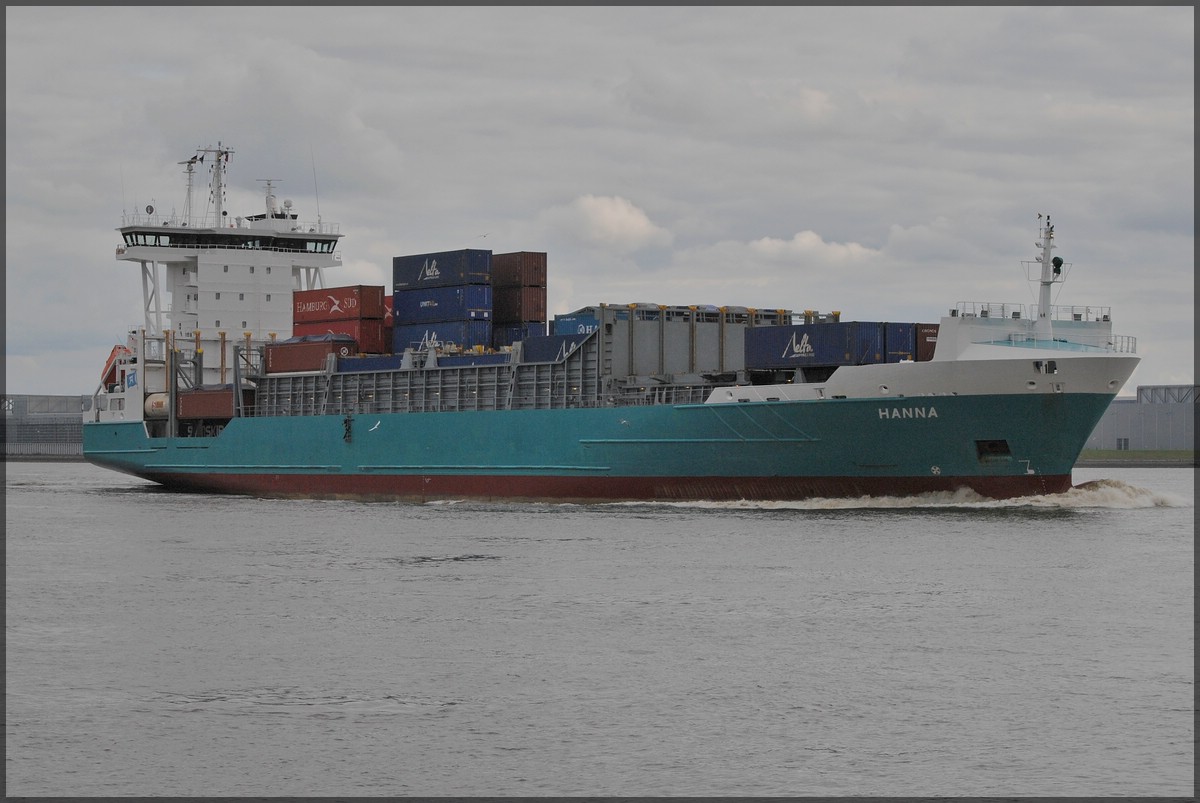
(1051, 273)
(187, 201)
(218, 181)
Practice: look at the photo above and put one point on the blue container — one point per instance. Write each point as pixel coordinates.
(575, 324)
(901, 341)
(509, 333)
(442, 269)
(463, 360)
(386, 362)
(814, 344)
(550, 349)
(467, 334)
(869, 342)
(464, 302)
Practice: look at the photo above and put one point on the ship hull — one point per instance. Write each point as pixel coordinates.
(998, 446)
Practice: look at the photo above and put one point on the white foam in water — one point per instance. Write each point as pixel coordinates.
(1105, 493)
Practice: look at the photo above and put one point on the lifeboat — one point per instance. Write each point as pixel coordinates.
(108, 377)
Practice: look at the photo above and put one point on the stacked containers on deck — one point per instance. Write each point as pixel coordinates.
(518, 297)
(442, 298)
(835, 343)
(355, 310)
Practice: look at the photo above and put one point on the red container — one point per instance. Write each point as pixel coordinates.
(927, 335)
(286, 357)
(368, 333)
(519, 269)
(354, 302)
(518, 304)
(387, 310)
(209, 402)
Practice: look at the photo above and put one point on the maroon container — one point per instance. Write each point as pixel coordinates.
(387, 311)
(368, 333)
(216, 402)
(518, 304)
(354, 302)
(519, 269)
(927, 335)
(285, 357)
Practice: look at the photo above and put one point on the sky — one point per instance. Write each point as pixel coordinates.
(883, 162)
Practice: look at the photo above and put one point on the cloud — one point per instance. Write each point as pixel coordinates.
(606, 223)
(808, 245)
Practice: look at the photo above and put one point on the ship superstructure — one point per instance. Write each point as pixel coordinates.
(211, 280)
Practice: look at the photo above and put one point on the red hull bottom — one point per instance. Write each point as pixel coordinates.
(433, 487)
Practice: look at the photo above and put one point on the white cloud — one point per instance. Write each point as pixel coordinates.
(606, 223)
(808, 246)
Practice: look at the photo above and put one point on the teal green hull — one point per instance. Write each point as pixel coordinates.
(768, 450)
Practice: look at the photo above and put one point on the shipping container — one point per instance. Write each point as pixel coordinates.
(464, 302)
(305, 353)
(901, 341)
(368, 334)
(338, 304)
(575, 324)
(360, 363)
(841, 343)
(468, 266)
(387, 311)
(464, 334)
(209, 401)
(466, 360)
(524, 304)
(927, 335)
(520, 269)
(550, 349)
(509, 333)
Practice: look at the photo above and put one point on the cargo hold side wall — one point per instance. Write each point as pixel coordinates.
(650, 340)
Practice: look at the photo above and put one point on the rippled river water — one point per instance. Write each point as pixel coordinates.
(165, 644)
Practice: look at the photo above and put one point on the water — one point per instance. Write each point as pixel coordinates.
(162, 644)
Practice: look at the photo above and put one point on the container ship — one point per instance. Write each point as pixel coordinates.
(251, 375)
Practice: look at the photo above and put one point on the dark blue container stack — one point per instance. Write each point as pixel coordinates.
(550, 349)
(816, 344)
(508, 333)
(823, 345)
(443, 297)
